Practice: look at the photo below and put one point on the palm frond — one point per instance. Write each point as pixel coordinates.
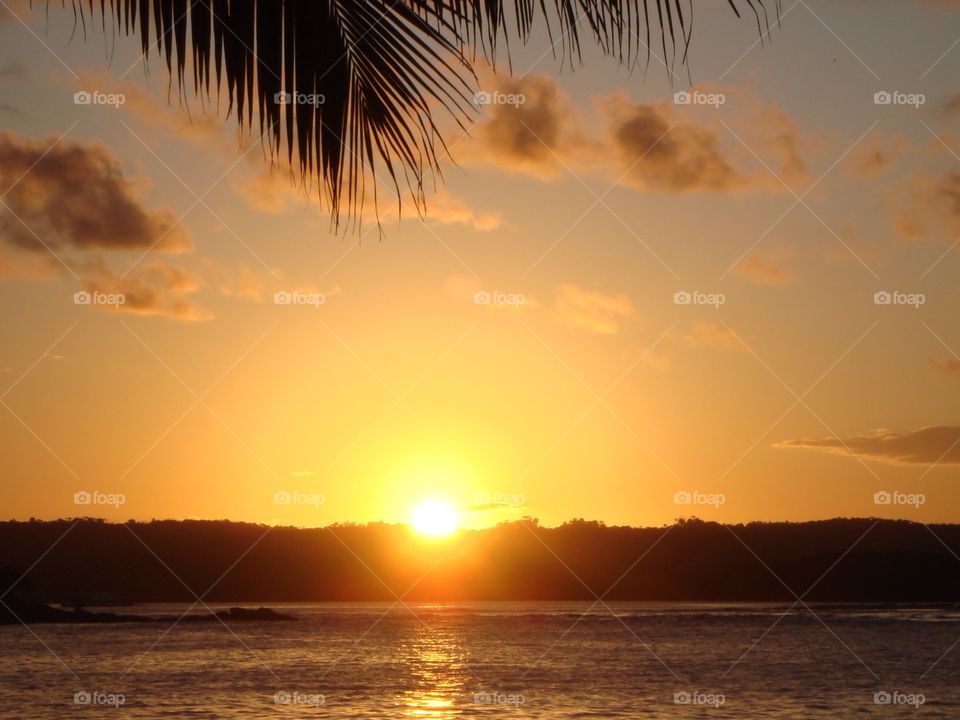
(349, 88)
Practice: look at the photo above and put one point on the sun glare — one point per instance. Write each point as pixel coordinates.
(435, 518)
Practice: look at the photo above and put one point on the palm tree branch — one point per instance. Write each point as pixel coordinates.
(379, 70)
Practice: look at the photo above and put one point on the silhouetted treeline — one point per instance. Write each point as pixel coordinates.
(222, 561)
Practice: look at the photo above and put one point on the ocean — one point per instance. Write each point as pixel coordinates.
(517, 660)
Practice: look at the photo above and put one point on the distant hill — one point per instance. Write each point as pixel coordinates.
(860, 560)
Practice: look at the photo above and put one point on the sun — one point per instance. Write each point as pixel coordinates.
(435, 518)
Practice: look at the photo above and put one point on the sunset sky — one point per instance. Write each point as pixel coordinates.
(583, 389)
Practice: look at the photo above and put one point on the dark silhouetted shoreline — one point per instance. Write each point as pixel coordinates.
(840, 560)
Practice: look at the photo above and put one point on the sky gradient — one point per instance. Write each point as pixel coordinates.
(781, 201)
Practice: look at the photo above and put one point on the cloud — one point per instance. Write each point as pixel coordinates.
(150, 289)
(77, 199)
(494, 507)
(75, 195)
(712, 335)
(256, 284)
(764, 269)
(874, 155)
(531, 137)
(658, 152)
(647, 146)
(447, 209)
(930, 208)
(592, 310)
(855, 248)
(73, 199)
(241, 281)
(926, 446)
(785, 139)
(948, 367)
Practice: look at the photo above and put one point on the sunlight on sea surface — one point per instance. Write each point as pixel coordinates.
(521, 660)
(436, 662)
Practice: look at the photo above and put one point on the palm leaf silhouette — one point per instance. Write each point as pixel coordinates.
(373, 72)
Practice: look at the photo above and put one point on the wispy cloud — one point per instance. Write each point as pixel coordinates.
(592, 310)
(928, 207)
(765, 268)
(152, 288)
(712, 335)
(926, 446)
(875, 155)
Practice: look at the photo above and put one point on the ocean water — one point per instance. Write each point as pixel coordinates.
(518, 660)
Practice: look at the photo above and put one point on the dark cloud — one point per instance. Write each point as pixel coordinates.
(73, 199)
(659, 153)
(645, 146)
(530, 134)
(76, 196)
(926, 446)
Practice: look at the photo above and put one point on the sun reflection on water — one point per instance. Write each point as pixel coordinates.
(436, 658)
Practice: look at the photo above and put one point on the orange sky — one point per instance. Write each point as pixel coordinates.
(525, 350)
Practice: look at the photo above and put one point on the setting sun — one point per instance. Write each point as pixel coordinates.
(435, 518)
